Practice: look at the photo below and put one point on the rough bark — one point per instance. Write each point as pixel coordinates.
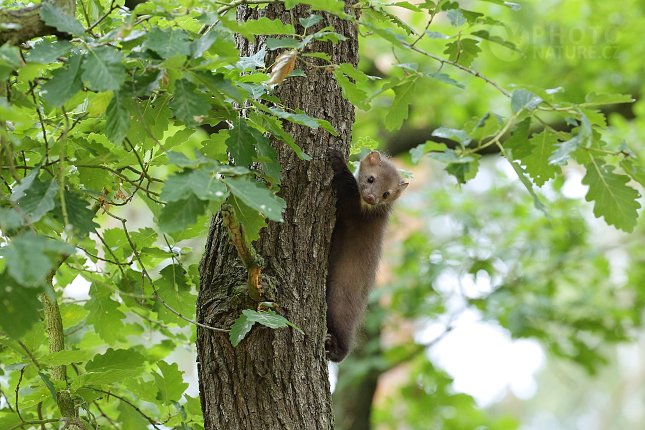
(355, 390)
(278, 379)
(29, 22)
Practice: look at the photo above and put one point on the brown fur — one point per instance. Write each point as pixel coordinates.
(361, 218)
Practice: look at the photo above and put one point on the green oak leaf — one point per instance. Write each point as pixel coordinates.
(195, 230)
(604, 99)
(65, 82)
(240, 329)
(117, 119)
(240, 143)
(19, 307)
(244, 323)
(398, 112)
(635, 171)
(252, 220)
(456, 17)
(484, 34)
(24, 251)
(263, 25)
(333, 6)
(526, 182)
(353, 73)
(62, 21)
(104, 314)
(351, 92)
(311, 21)
(561, 155)
(38, 199)
(27, 257)
(463, 51)
(170, 383)
(254, 61)
(47, 52)
(174, 290)
(273, 125)
(536, 164)
(26, 182)
(9, 60)
(430, 146)
(519, 141)
(452, 133)
(49, 384)
(169, 42)
(286, 42)
(79, 216)
(613, 199)
(10, 219)
(103, 70)
(257, 196)
(270, 168)
(301, 118)
(524, 99)
(189, 105)
(129, 418)
(435, 35)
(120, 359)
(446, 79)
(199, 46)
(218, 84)
(181, 213)
(65, 358)
(198, 182)
(486, 126)
(110, 367)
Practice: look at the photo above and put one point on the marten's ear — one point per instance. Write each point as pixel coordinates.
(373, 159)
(403, 185)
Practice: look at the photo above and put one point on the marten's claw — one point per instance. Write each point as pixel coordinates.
(337, 159)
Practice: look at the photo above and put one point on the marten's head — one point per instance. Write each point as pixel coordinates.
(378, 181)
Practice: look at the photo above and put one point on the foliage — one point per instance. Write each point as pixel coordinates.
(487, 253)
(116, 114)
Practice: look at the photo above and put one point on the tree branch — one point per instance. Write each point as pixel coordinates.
(247, 254)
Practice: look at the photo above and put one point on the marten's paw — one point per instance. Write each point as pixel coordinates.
(337, 159)
(333, 351)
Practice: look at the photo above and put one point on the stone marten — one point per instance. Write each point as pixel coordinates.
(363, 206)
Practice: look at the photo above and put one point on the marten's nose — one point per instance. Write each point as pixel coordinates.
(370, 199)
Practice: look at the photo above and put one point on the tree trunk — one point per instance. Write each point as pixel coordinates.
(278, 379)
(355, 389)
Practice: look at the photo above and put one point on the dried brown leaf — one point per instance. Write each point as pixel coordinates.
(284, 65)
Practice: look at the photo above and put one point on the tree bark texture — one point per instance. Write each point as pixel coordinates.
(278, 379)
(355, 390)
(30, 24)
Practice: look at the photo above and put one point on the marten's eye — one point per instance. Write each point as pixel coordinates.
(370, 179)
(385, 194)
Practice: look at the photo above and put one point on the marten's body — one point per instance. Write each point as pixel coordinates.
(363, 206)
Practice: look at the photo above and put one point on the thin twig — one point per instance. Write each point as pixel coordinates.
(459, 66)
(434, 12)
(22, 371)
(112, 7)
(150, 420)
(154, 289)
(104, 415)
(120, 175)
(6, 399)
(29, 353)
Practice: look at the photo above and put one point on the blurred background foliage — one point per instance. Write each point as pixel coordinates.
(480, 255)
